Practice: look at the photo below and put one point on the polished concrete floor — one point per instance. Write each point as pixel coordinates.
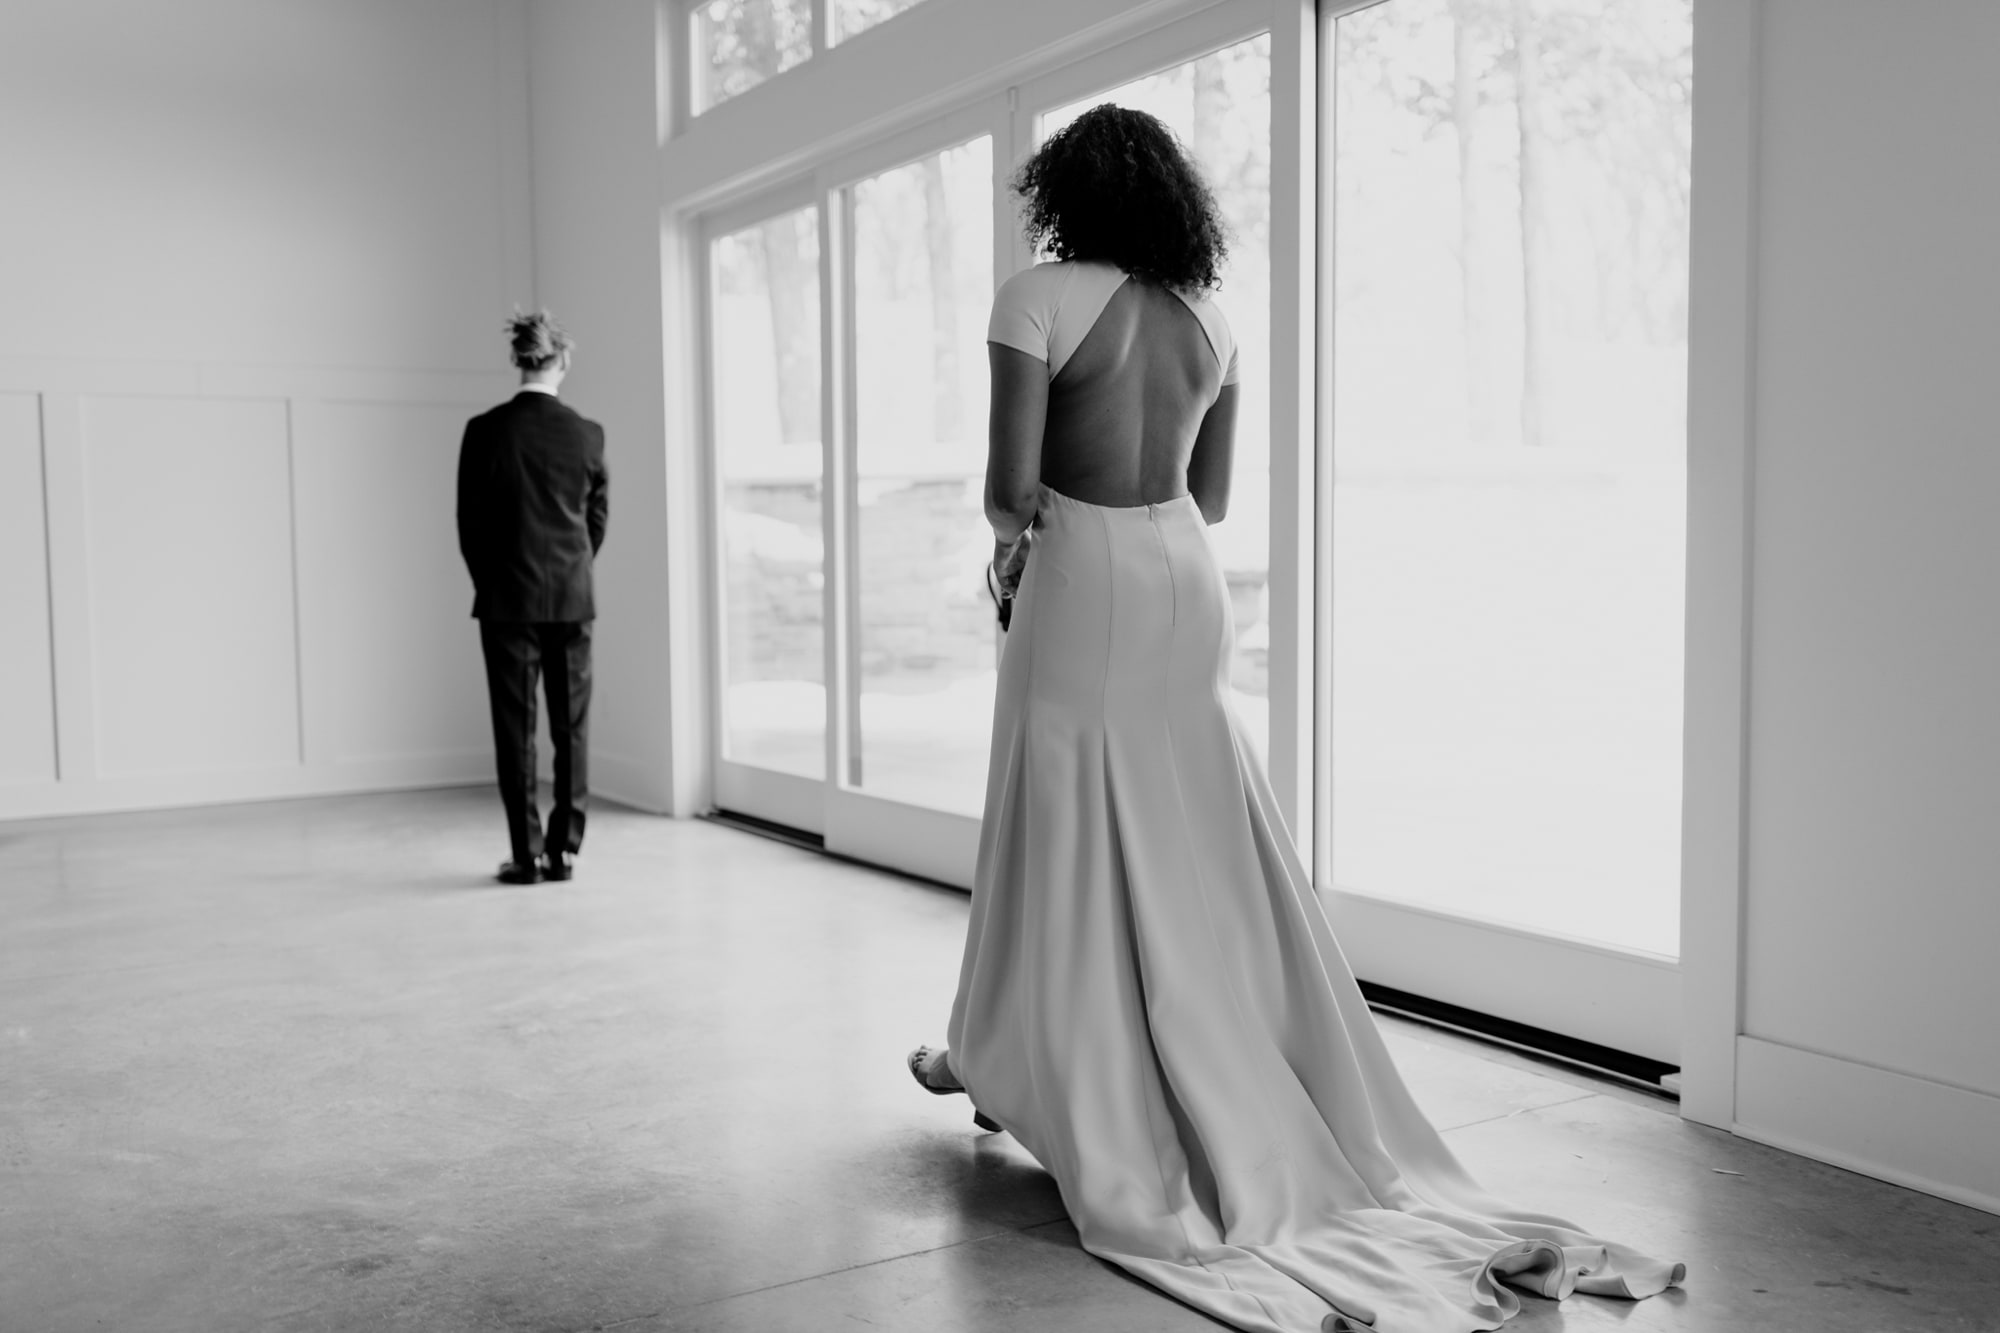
(303, 1066)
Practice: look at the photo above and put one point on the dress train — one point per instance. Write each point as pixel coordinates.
(1152, 999)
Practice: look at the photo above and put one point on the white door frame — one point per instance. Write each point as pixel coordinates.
(1686, 1011)
(937, 844)
(1720, 448)
(1721, 473)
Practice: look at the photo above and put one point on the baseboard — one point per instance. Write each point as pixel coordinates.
(631, 782)
(167, 791)
(1909, 1131)
(619, 778)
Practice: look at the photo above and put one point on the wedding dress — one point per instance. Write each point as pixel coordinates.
(1152, 1000)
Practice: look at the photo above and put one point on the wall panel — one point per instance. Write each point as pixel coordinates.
(392, 666)
(27, 687)
(233, 212)
(190, 554)
(1874, 740)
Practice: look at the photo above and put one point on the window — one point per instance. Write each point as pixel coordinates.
(737, 44)
(1510, 196)
(856, 652)
(855, 16)
(764, 399)
(923, 284)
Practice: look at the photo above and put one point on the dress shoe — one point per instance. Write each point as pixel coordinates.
(518, 872)
(558, 865)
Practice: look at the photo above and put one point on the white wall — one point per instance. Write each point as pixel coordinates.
(255, 256)
(1872, 882)
(598, 266)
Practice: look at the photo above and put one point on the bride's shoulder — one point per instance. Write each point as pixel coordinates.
(1046, 283)
(1033, 294)
(1048, 277)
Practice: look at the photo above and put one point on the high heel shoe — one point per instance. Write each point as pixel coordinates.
(922, 1062)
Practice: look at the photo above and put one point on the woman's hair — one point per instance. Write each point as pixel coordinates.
(535, 341)
(1115, 185)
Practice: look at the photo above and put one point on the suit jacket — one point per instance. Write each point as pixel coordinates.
(532, 505)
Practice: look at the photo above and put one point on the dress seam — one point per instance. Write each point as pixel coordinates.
(1208, 915)
(1166, 560)
(1016, 762)
(1020, 756)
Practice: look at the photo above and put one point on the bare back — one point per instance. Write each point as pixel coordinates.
(1107, 389)
(1124, 410)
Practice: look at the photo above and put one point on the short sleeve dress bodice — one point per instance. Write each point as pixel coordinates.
(1152, 1000)
(1047, 310)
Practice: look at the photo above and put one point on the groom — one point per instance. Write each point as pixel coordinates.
(531, 512)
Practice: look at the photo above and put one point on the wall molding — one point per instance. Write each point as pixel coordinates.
(167, 791)
(322, 763)
(96, 377)
(1897, 1127)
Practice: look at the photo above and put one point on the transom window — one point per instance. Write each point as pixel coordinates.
(737, 44)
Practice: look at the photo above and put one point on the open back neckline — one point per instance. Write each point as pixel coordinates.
(1193, 304)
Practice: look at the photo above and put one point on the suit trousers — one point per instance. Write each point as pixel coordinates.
(559, 653)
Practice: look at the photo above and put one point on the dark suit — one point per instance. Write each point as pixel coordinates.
(532, 505)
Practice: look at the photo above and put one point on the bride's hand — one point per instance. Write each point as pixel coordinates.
(1009, 559)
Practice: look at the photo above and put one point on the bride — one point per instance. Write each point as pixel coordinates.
(1152, 1001)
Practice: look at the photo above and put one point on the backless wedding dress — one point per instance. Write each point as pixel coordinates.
(1152, 1000)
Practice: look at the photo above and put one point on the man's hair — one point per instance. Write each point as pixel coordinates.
(1115, 185)
(536, 341)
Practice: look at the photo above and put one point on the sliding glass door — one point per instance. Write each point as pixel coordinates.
(766, 433)
(855, 646)
(923, 636)
(847, 392)
(1507, 194)
(1494, 583)
(918, 648)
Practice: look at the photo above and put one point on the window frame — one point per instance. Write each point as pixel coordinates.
(791, 798)
(683, 56)
(933, 843)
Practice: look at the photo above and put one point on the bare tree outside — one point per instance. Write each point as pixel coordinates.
(948, 399)
(1510, 198)
(923, 282)
(1550, 104)
(763, 407)
(790, 274)
(741, 43)
(852, 17)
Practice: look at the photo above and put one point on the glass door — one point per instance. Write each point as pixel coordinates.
(765, 424)
(1508, 198)
(925, 239)
(857, 650)
(919, 643)
(924, 634)
(855, 647)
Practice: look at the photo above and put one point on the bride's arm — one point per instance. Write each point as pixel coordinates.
(1014, 441)
(1209, 463)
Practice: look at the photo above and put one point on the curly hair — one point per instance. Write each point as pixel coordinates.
(1115, 185)
(536, 341)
